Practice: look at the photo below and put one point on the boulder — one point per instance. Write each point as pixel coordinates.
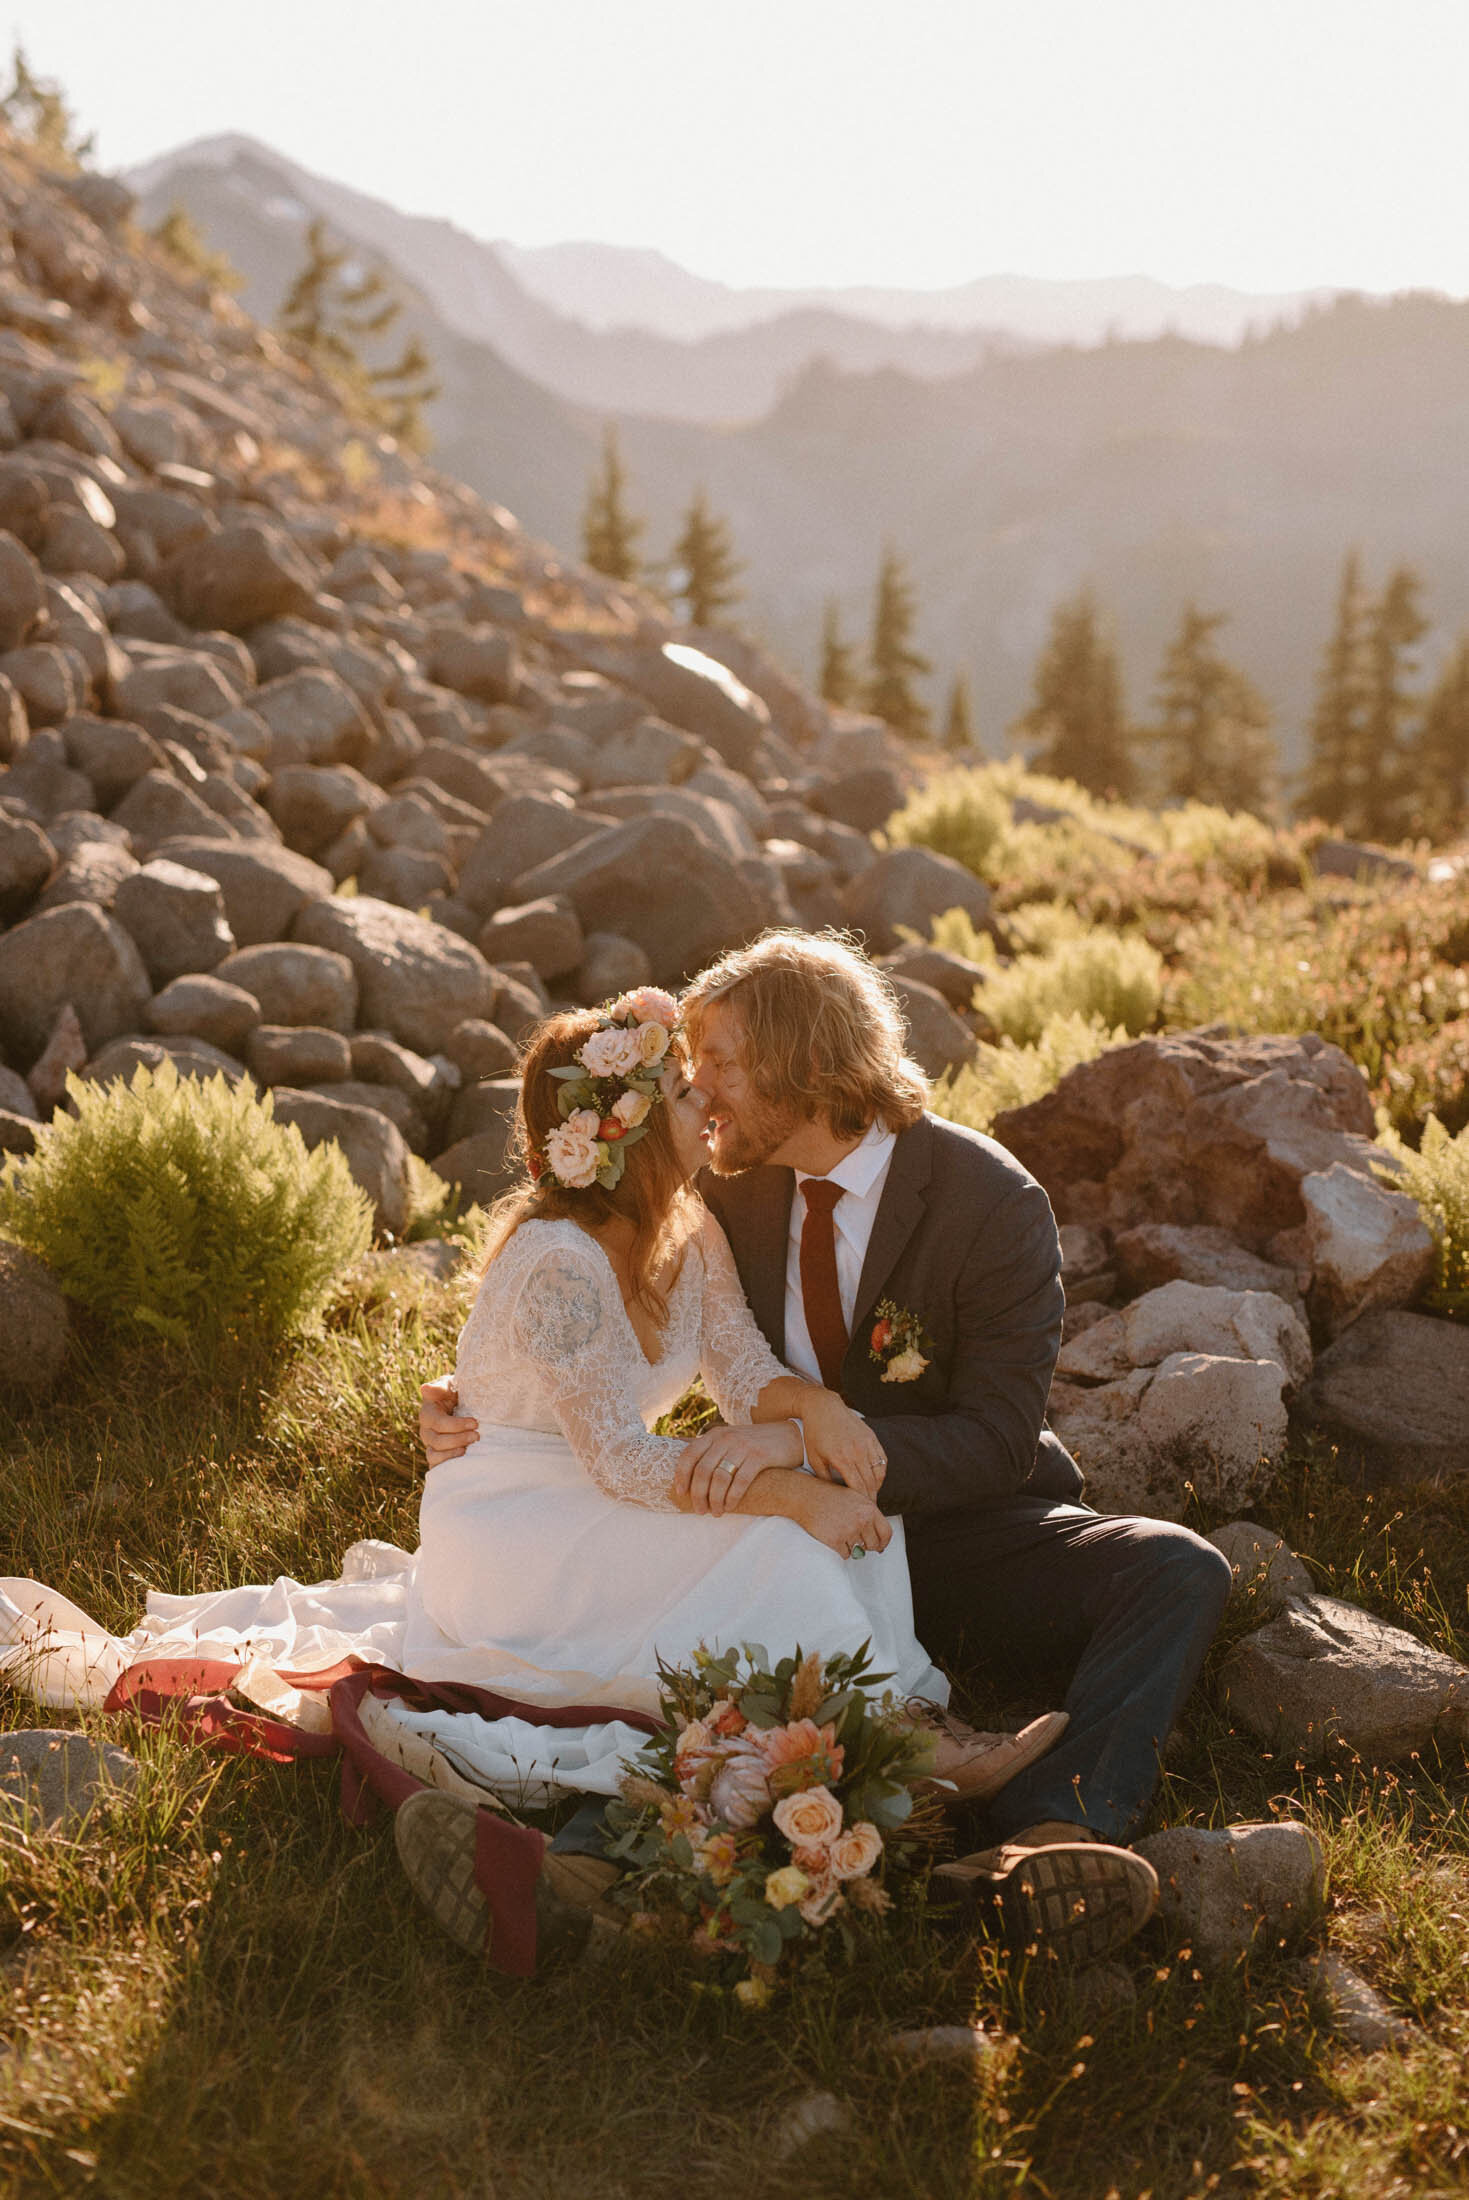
(313, 718)
(1229, 1891)
(476, 661)
(27, 859)
(52, 1778)
(264, 887)
(176, 919)
(15, 1095)
(238, 578)
(112, 754)
(15, 727)
(647, 754)
(954, 976)
(483, 1108)
(1355, 2010)
(611, 964)
(479, 1050)
(525, 830)
(716, 821)
(297, 1054)
(905, 889)
(520, 1002)
(74, 954)
(478, 1168)
(1368, 1246)
(17, 1132)
(292, 984)
(408, 821)
(1198, 1423)
(22, 593)
(157, 808)
(1266, 1570)
(312, 803)
(1155, 1253)
(864, 799)
(191, 1057)
(1393, 1394)
(389, 1100)
(690, 690)
(379, 1060)
(937, 1040)
(50, 680)
(64, 1053)
(374, 1148)
(1191, 1317)
(35, 1328)
(189, 680)
(1357, 859)
(546, 933)
(71, 542)
(408, 877)
(1192, 1129)
(205, 1007)
(93, 871)
(1323, 1671)
(654, 880)
(415, 979)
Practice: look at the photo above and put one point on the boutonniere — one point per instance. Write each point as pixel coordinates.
(897, 1342)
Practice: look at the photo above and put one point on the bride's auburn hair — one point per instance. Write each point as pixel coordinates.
(653, 1194)
(822, 1029)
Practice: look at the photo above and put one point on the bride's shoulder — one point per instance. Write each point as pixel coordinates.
(539, 1241)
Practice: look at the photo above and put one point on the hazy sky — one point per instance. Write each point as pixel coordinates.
(1272, 144)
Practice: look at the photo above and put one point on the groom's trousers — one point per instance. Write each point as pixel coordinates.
(1130, 1606)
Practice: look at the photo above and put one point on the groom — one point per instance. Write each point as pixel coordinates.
(914, 1266)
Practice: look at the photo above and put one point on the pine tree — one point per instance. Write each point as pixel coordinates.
(959, 718)
(1396, 624)
(306, 315)
(609, 533)
(35, 109)
(1440, 755)
(1335, 735)
(403, 388)
(838, 681)
(1213, 728)
(895, 663)
(1078, 716)
(706, 555)
(178, 235)
(331, 314)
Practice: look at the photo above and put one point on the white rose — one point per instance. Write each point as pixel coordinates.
(905, 1367)
(631, 1108)
(574, 1157)
(653, 1042)
(611, 1053)
(585, 1120)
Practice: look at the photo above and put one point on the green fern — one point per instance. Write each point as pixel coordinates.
(181, 1207)
(1437, 1176)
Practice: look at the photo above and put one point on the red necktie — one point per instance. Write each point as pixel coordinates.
(820, 1292)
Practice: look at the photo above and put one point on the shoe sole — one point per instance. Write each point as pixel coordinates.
(436, 1836)
(1076, 1904)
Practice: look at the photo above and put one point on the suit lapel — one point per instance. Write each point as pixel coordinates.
(899, 1212)
(758, 1209)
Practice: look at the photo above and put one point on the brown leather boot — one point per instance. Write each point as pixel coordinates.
(1057, 1889)
(970, 1766)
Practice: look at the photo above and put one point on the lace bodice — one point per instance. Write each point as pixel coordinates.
(548, 1345)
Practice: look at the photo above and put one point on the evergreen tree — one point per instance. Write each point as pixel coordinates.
(1382, 782)
(35, 108)
(895, 663)
(1440, 754)
(331, 313)
(838, 681)
(959, 718)
(1213, 728)
(705, 553)
(609, 533)
(1335, 734)
(178, 236)
(1078, 716)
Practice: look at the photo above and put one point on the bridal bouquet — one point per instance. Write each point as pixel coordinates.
(773, 1810)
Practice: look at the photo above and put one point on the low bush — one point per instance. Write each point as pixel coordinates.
(1437, 1176)
(1011, 1076)
(964, 815)
(1102, 977)
(181, 1207)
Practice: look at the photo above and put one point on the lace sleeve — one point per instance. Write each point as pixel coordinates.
(734, 1358)
(569, 1324)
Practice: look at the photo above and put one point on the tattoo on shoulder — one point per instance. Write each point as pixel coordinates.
(563, 1307)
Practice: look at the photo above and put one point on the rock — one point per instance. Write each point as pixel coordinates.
(717, 822)
(1191, 1317)
(813, 2116)
(22, 593)
(72, 543)
(937, 1040)
(176, 919)
(64, 1053)
(1231, 1890)
(1191, 1129)
(112, 754)
(476, 661)
(1393, 1393)
(479, 1168)
(519, 1007)
(52, 1778)
(296, 985)
(264, 887)
(92, 872)
(484, 1106)
(158, 809)
(152, 434)
(954, 976)
(696, 692)
(610, 965)
(27, 860)
(408, 821)
(1161, 1252)
(1355, 2010)
(1368, 1246)
(15, 728)
(1322, 1671)
(17, 1132)
(647, 754)
(238, 578)
(415, 979)
(282, 1054)
(480, 1050)
(909, 888)
(35, 1328)
(15, 1095)
(374, 1148)
(1212, 1425)
(1081, 1315)
(388, 1100)
(963, 2046)
(546, 933)
(77, 829)
(188, 680)
(312, 803)
(50, 681)
(1358, 859)
(407, 877)
(205, 1007)
(1265, 1568)
(657, 882)
(524, 832)
(74, 954)
(379, 1060)
(1083, 1254)
(313, 718)
(191, 1057)
(863, 799)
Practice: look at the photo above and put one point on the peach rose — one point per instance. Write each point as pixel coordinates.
(611, 1053)
(647, 1004)
(854, 1852)
(810, 1820)
(575, 1154)
(631, 1108)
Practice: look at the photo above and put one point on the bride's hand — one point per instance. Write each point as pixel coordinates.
(716, 1469)
(840, 1445)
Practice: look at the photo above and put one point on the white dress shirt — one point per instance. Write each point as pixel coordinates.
(862, 1175)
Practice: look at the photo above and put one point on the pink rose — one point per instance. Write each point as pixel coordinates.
(646, 1004)
(854, 1852)
(611, 1054)
(574, 1156)
(810, 1820)
(631, 1109)
(740, 1792)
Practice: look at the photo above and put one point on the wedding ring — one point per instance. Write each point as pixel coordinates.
(858, 1550)
(724, 1466)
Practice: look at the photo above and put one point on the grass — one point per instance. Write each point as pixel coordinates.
(218, 1988)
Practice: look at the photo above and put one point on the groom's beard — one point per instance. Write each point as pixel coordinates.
(748, 1140)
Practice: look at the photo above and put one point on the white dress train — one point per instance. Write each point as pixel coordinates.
(552, 1565)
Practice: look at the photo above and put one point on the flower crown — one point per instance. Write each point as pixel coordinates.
(607, 1092)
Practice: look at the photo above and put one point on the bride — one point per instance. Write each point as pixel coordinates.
(569, 1549)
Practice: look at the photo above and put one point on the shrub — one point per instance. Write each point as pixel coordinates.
(965, 815)
(1011, 1076)
(1101, 977)
(183, 1208)
(1437, 1176)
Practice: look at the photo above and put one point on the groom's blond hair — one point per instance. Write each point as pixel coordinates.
(822, 1029)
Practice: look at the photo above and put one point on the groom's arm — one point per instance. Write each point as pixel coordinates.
(981, 1445)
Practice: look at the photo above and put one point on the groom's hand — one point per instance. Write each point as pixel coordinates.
(443, 1431)
(840, 1445)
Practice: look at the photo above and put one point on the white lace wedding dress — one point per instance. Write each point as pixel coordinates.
(552, 1565)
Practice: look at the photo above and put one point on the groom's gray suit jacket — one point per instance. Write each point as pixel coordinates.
(964, 1240)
